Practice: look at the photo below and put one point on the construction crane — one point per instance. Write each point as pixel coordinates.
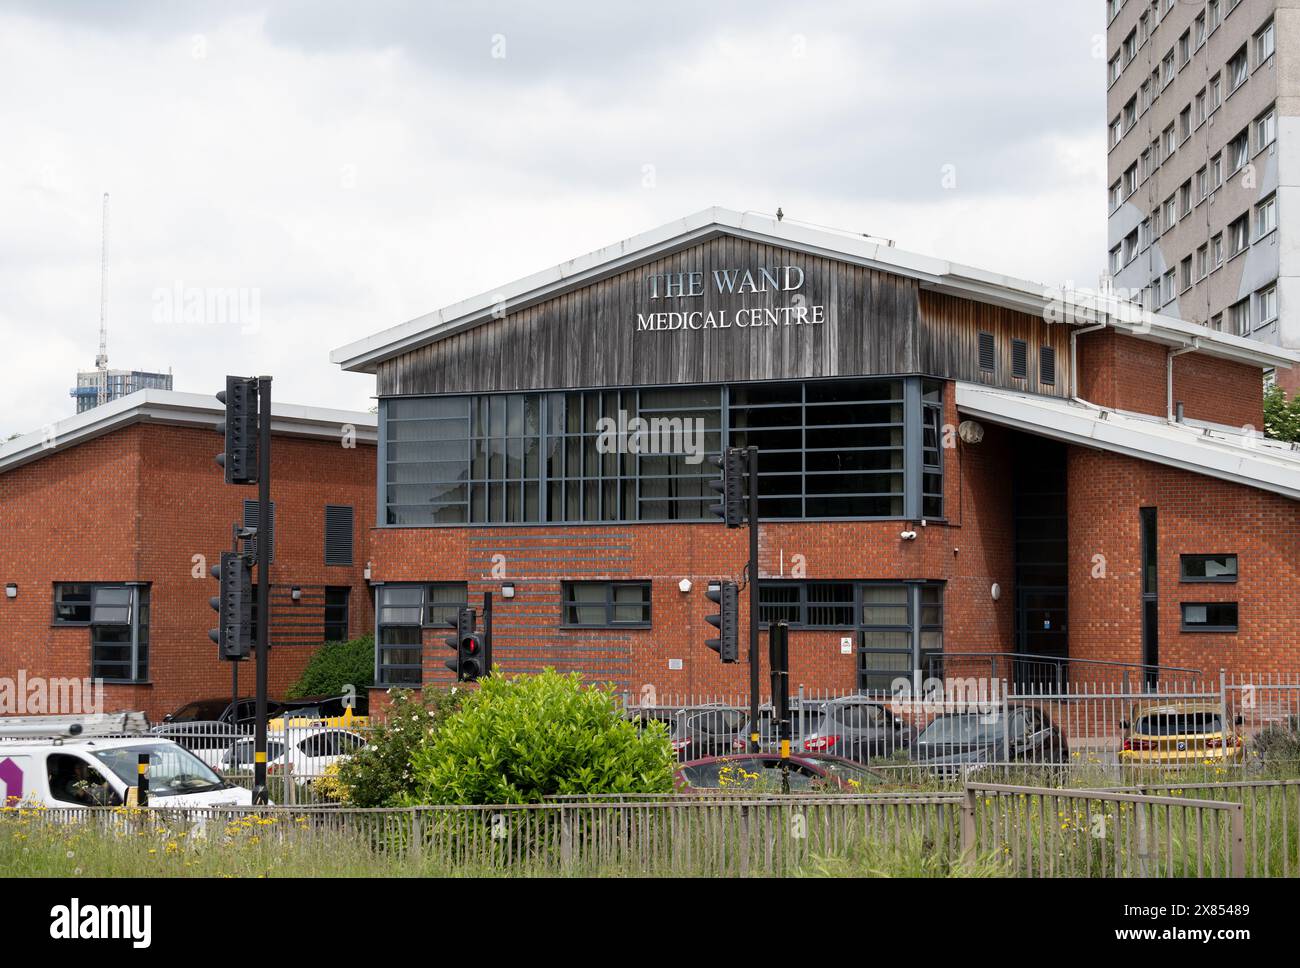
(101, 359)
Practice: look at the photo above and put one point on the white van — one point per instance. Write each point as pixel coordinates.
(86, 770)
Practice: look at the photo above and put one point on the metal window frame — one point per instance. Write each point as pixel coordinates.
(54, 604)
(567, 602)
(138, 594)
(1194, 627)
(347, 611)
(380, 625)
(1184, 579)
(912, 501)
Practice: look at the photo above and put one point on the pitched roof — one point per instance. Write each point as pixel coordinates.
(1214, 451)
(180, 410)
(936, 274)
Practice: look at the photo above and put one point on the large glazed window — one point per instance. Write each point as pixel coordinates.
(851, 448)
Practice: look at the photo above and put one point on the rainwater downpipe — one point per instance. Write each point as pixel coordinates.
(1191, 347)
(1074, 360)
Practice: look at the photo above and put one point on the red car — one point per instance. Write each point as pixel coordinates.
(761, 773)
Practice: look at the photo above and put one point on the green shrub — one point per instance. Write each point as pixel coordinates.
(520, 739)
(379, 774)
(1279, 742)
(335, 667)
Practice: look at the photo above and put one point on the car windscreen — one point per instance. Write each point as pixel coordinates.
(965, 729)
(172, 770)
(850, 773)
(205, 709)
(241, 754)
(1178, 724)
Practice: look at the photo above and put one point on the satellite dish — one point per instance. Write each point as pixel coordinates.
(970, 432)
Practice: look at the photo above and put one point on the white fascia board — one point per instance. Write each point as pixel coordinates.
(1243, 460)
(171, 408)
(940, 275)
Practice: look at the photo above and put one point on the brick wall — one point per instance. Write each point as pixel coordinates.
(147, 503)
(1195, 515)
(970, 550)
(1126, 373)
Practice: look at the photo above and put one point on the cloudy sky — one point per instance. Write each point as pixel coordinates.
(286, 177)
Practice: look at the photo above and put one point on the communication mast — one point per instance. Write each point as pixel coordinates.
(101, 360)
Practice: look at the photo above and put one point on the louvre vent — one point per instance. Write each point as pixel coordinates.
(987, 355)
(250, 521)
(1047, 366)
(1019, 358)
(338, 534)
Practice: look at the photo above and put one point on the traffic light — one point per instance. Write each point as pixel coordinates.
(240, 430)
(726, 620)
(730, 486)
(463, 624)
(472, 657)
(234, 606)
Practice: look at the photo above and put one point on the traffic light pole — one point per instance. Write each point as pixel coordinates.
(752, 453)
(263, 584)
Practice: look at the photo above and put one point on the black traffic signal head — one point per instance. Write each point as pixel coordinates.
(731, 485)
(726, 620)
(239, 458)
(234, 606)
(471, 658)
(463, 627)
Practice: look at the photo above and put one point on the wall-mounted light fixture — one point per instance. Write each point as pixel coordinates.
(684, 585)
(11, 590)
(508, 590)
(295, 593)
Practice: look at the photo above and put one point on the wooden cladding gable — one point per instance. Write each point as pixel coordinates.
(875, 323)
(589, 337)
(950, 329)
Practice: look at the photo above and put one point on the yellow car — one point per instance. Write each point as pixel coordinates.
(325, 713)
(1178, 734)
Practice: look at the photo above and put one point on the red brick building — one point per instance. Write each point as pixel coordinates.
(951, 462)
(111, 519)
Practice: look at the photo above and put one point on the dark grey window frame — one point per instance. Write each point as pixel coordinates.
(1197, 627)
(609, 490)
(1184, 578)
(71, 623)
(424, 607)
(916, 627)
(137, 619)
(346, 606)
(567, 602)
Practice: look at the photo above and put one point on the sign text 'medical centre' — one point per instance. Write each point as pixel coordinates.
(738, 282)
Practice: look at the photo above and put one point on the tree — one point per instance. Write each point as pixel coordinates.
(1281, 416)
(335, 667)
(520, 739)
(380, 774)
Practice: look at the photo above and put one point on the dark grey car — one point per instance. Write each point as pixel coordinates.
(955, 742)
(708, 731)
(855, 728)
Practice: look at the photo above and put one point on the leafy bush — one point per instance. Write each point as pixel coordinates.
(520, 739)
(335, 667)
(379, 774)
(1279, 742)
(1281, 416)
